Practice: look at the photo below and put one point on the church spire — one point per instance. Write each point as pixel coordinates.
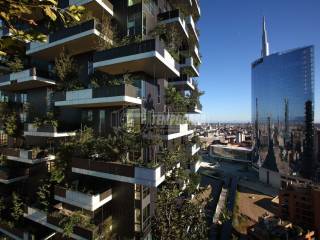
(265, 43)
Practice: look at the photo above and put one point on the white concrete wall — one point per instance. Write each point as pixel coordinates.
(274, 177)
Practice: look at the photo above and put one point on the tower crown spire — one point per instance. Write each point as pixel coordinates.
(265, 44)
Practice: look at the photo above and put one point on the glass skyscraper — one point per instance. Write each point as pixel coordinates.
(282, 86)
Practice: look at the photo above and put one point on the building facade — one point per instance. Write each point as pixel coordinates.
(299, 203)
(282, 89)
(124, 56)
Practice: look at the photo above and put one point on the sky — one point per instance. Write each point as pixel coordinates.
(230, 40)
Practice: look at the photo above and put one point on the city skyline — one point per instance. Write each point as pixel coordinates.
(241, 31)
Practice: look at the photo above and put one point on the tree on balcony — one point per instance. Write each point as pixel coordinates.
(17, 207)
(67, 72)
(171, 37)
(100, 79)
(27, 13)
(175, 101)
(48, 120)
(194, 97)
(15, 64)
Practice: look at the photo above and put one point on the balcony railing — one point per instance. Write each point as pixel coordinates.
(27, 156)
(148, 50)
(184, 80)
(173, 17)
(88, 201)
(8, 175)
(46, 131)
(119, 171)
(192, 25)
(65, 33)
(100, 96)
(67, 3)
(41, 78)
(190, 64)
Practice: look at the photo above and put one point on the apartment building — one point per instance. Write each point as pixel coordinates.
(127, 55)
(299, 203)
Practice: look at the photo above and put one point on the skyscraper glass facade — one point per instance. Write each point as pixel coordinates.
(282, 83)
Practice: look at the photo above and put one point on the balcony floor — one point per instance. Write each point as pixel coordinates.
(151, 63)
(74, 44)
(100, 102)
(26, 84)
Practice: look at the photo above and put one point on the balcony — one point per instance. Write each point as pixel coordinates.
(175, 131)
(11, 175)
(97, 7)
(184, 83)
(196, 53)
(24, 80)
(174, 17)
(148, 56)
(27, 156)
(90, 202)
(194, 148)
(117, 171)
(185, 3)
(52, 221)
(12, 232)
(188, 64)
(195, 109)
(192, 29)
(45, 131)
(196, 8)
(100, 97)
(73, 39)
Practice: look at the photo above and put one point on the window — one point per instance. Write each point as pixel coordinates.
(137, 220)
(102, 114)
(146, 213)
(144, 24)
(137, 191)
(90, 67)
(131, 25)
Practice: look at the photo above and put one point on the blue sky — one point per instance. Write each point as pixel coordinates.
(231, 39)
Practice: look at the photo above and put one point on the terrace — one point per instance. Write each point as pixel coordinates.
(31, 156)
(117, 171)
(98, 7)
(11, 175)
(148, 56)
(45, 131)
(88, 197)
(184, 83)
(174, 17)
(26, 79)
(72, 38)
(100, 97)
(192, 29)
(189, 65)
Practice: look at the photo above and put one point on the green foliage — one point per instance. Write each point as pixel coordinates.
(177, 218)
(67, 72)
(175, 101)
(15, 64)
(44, 195)
(225, 215)
(17, 207)
(11, 124)
(171, 37)
(30, 13)
(99, 79)
(77, 218)
(48, 120)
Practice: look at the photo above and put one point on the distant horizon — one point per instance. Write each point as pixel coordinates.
(231, 40)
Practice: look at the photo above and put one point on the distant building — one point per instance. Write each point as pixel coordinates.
(273, 228)
(300, 203)
(282, 88)
(240, 137)
(231, 153)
